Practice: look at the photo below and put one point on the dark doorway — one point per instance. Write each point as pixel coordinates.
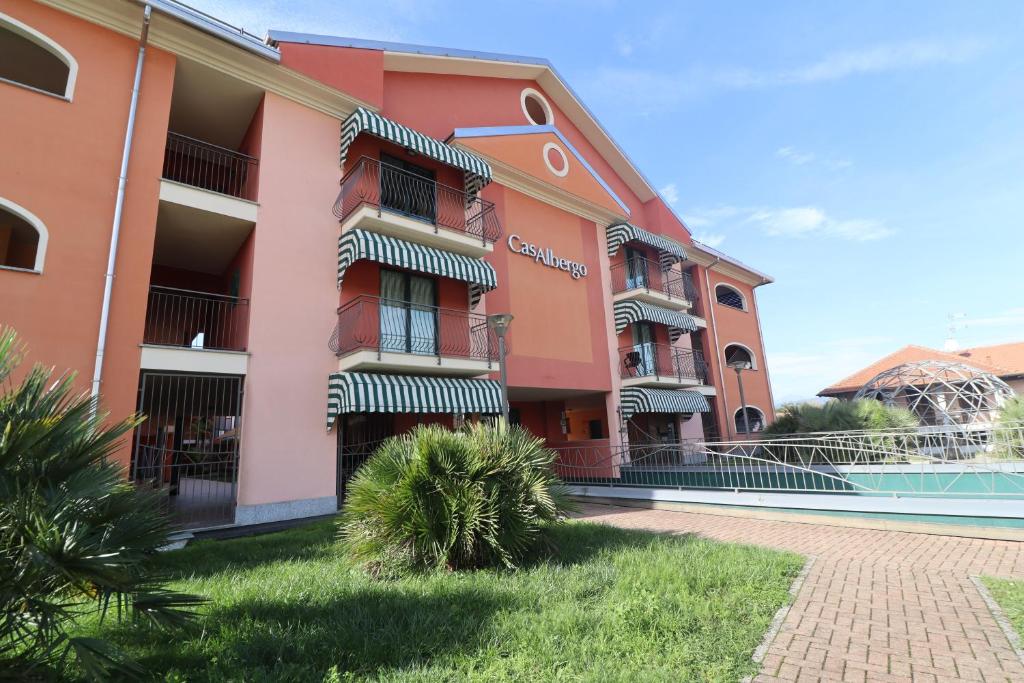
(359, 435)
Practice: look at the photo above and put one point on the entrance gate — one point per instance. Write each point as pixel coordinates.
(187, 449)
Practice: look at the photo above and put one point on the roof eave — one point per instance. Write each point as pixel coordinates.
(215, 27)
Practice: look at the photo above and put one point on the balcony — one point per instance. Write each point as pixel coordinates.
(214, 179)
(389, 200)
(386, 335)
(661, 365)
(644, 280)
(189, 331)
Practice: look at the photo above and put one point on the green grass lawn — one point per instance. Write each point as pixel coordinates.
(1010, 596)
(612, 605)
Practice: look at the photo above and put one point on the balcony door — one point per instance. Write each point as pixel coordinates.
(407, 188)
(636, 269)
(643, 344)
(408, 313)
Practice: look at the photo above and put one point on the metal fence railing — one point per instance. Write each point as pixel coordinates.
(384, 187)
(662, 361)
(947, 461)
(199, 320)
(198, 486)
(642, 273)
(201, 164)
(392, 326)
(187, 449)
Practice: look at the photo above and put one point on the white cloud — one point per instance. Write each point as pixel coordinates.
(670, 193)
(651, 90)
(793, 156)
(791, 222)
(810, 220)
(794, 222)
(801, 158)
(885, 57)
(711, 239)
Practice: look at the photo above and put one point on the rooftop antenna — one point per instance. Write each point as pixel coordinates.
(951, 344)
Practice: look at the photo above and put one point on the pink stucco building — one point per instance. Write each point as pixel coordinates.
(311, 234)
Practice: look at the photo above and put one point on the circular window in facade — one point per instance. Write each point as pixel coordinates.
(555, 160)
(536, 107)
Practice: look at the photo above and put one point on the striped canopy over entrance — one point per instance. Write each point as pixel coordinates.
(355, 245)
(627, 312)
(364, 392)
(478, 171)
(635, 400)
(669, 251)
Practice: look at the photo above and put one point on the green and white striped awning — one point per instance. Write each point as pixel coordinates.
(627, 312)
(669, 251)
(355, 245)
(478, 171)
(633, 400)
(365, 392)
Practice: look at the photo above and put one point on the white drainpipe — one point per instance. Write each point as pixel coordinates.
(115, 234)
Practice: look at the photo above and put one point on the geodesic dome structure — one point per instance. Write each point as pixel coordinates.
(940, 392)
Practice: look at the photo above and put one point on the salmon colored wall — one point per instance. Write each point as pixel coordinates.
(471, 101)
(242, 262)
(558, 336)
(68, 156)
(359, 73)
(477, 102)
(251, 146)
(526, 153)
(579, 423)
(532, 416)
(735, 326)
(286, 452)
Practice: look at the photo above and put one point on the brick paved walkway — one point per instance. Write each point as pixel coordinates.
(876, 605)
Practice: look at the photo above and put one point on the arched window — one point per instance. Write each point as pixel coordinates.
(30, 59)
(738, 353)
(23, 238)
(755, 418)
(731, 297)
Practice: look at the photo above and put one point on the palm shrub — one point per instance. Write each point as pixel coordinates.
(837, 416)
(76, 538)
(1009, 433)
(435, 498)
(863, 415)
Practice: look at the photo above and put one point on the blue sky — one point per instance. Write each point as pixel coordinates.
(868, 155)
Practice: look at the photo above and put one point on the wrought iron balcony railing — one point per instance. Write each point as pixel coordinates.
(209, 167)
(642, 273)
(662, 360)
(198, 320)
(392, 326)
(389, 188)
